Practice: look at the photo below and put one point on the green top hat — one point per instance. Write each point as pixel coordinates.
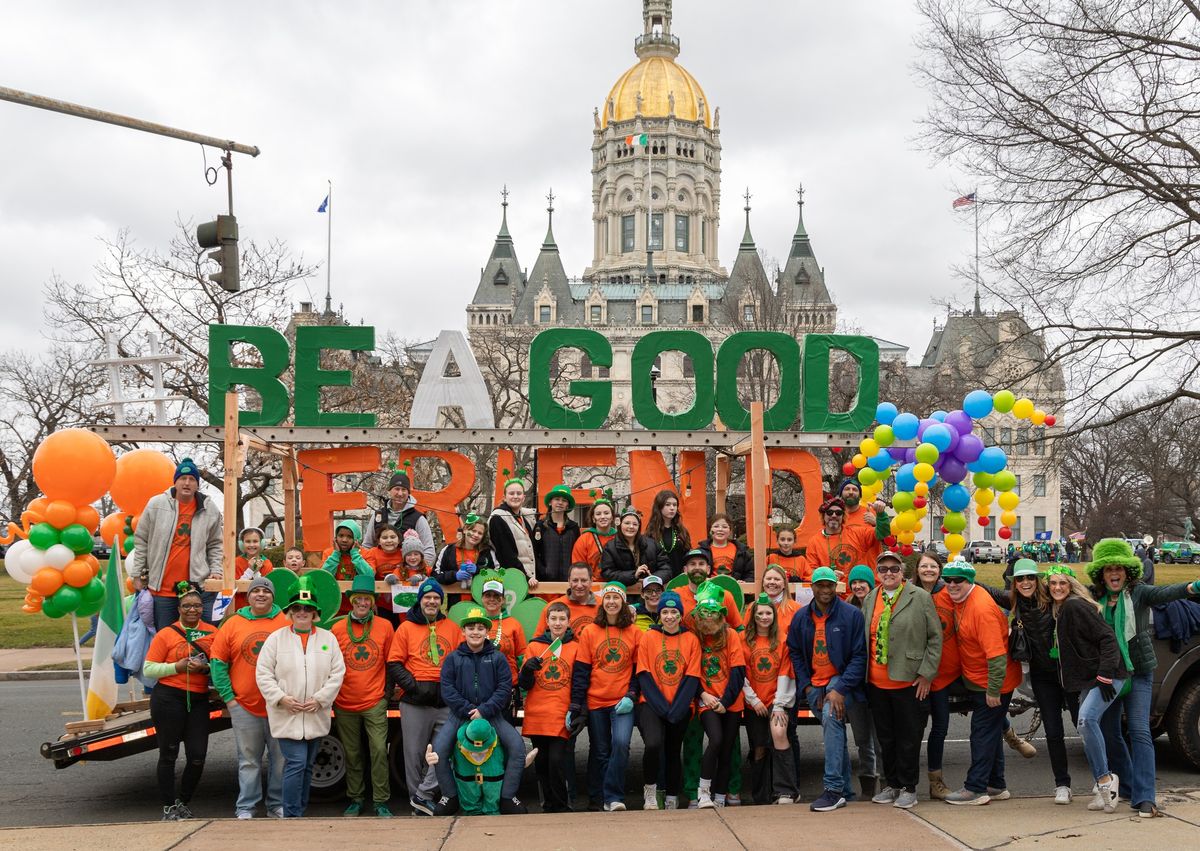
(362, 584)
(1113, 551)
(476, 615)
(710, 597)
(560, 491)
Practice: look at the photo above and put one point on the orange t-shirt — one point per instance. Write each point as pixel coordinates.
(877, 674)
(717, 664)
(856, 545)
(668, 659)
(795, 565)
(765, 666)
(365, 683)
(582, 614)
(949, 668)
(384, 563)
(169, 646)
(412, 646)
(784, 612)
(982, 631)
(612, 653)
(237, 644)
(723, 558)
(240, 566)
(822, 670)
(588, 548)
(857, 516)
(688, 597)
(546, 704)
(179, 556)
(512, 641)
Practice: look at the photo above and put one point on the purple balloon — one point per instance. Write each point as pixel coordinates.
(897, 453)
(951, 469)
(924, 424)
(955, 437)
(960, 421)
(969, 449)
(910, 455)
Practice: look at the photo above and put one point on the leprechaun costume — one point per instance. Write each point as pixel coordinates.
(478, 768)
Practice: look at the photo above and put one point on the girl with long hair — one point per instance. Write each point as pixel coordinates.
(629, 556)
(600, 529)
(667, 531)
(770, 693)
(722, 676)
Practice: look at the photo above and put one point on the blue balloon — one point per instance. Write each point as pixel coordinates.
(976, 466)
(940, 416)
(885, 413)
(924, 424)
(905, 480)
(993, 460)
(978, 404)
(939, 435)
(956, 497)
(905, 425)
(880, 461)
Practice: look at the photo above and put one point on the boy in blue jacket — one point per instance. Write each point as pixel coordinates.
(828, 646)
(477, 683)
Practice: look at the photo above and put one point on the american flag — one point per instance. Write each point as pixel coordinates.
(964, 201)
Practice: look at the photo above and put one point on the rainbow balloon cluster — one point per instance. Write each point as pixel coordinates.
(948, 451)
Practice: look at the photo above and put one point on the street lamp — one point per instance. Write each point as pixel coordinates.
(655, 372)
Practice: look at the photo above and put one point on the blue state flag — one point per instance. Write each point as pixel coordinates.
(324, 205)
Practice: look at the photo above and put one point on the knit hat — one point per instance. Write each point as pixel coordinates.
(710, 597)
(846, 482)
(187, 467)
(362, 584)
(261, 582)
(399, 480)
(630, 511)
(861, 572)
(1116, 552)
(612, 586)
(476, 615)
(352, 525)
(652, 579)
(671, 600)
(562, 492)
(833, 502)
(959, 569)
(476, 736)
(430, 586)
(1024, 567)
(824, 574)
(411, 543)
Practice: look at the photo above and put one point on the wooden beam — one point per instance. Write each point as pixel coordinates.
(758, 458)
(290, 477)
(722, 464)
(232, 447)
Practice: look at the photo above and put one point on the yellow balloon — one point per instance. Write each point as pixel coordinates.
(859, 460)
(922, 489)
(982, 510)
(1022, 408)
(868, 447)
(955, 542)
(906, 537)
(984, 496)
(924, 472)
(1038, 417)
(1008, 518)
(1009, 501)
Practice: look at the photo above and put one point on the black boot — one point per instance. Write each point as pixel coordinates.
(868, 783)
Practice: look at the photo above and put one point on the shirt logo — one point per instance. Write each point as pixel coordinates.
(611, 656)
(252, 645)
(553, 676)
(762, 669)
(362, 656)
(669, 667)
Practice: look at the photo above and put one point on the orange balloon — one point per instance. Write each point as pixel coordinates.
(46, 581)
(92, 562)
(87, 517)
(31, 608)
(38, 506)
(78, 573)
(60, 514)
(113, 526)
(140, 475)
(134, 522)
(129, 584)
(75, 465)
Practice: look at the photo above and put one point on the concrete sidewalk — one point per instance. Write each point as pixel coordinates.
(15, 664)
(1018, 823)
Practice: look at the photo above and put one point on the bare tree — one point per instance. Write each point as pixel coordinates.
(1079, 120)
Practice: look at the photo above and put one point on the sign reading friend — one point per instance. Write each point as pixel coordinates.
(803, 385)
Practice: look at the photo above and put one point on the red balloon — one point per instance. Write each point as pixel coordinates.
(1004, 532)
(849, 469)
(835, 449)
(1050, 419)
(945, 531)
(919, 502)
(983, 521)
(890, 540)
(906, 550)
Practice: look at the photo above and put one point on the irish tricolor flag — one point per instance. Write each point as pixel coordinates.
(554, 649)
(641, 139)
(102, 684)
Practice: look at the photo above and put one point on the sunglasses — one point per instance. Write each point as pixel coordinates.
(889, 568)
(1025, 579)
(834, 513)
(953, 580)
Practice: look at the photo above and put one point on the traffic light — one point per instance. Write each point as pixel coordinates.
(223, 236)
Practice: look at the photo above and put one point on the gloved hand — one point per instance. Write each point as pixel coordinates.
(463, 575)
(535, 663)
(624, 706)
(576, 719)
(391, 579)
(469, 568)
(1107, 692)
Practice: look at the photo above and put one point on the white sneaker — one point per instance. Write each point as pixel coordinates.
(649, 797)
(1097, 802)
(1062, 795)
(999, 794)
(704, 800)
(1110, 793)
(244, 814)
(670, 802)
(614, 807)
(275, 813)
(783, 799)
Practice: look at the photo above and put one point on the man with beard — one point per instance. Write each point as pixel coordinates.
(698, 567)
(857, 514)
(840, 548)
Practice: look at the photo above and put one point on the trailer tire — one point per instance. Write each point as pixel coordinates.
(329, 770)
(1183, 722)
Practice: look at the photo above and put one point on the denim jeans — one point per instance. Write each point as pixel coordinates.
(609, 735)
(837, 755)
(298, 756)
(1135, 766)
(987, 743)
(251, 736)
(939, 728)
(166, 609)
(1091, 710)
(514, 755)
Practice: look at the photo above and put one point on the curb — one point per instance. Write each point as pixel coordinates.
(15, 676)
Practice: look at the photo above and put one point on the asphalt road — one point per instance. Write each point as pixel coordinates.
(33, 792)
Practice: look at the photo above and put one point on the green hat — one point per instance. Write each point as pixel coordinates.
(476, 735)
(319, 590)
(362, 584)
(710, 597)
(959, 569)
(1113, 551)
(352, 525)
(475, 615)
(824, 574)
(560, 491)
(861, 571)
(1061, 570)
(1024, 567)
(612, 586)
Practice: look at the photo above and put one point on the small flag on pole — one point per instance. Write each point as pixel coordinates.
(324, 205)
(554, 648)
(964, 201)
(102, 684)
(641, 139)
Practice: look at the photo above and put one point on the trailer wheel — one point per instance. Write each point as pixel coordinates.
(329, 769)
(1183, 722)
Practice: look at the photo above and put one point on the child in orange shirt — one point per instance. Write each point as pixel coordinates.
(251, 563)
(546, 679)
(786, 555)
(386, 557)
(591, 541)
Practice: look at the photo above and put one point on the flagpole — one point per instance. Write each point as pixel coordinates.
(329, 249)
(79, 663)
(976, 206)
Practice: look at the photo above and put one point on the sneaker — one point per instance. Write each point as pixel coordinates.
(382, 811)
(445, 806)
(1146, 810)
(693, 805)
(783, 799)
(244, 814)
(170, 813)
(275, 813)
(1111, 795)
(670, 802)
(422, 807)
(649, 797)
(906, 800)
(828, 802)
(1097, 802)
(886, 795)
(182, 809)
(999, 794)
(719, 801)
(965, 797)
(1062, 795)
(614, 807)
(704, 800)
(733, 800)
(354, 809)
(513, 807)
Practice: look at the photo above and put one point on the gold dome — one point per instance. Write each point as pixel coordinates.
(656, 77)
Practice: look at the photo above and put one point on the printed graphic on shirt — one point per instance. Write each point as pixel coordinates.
(669, 668)
(723, 558)
(363, 656)
(183, 533)
(554, 675)
(841, 556)
(252, 645)
(611, 655)
(762, 667)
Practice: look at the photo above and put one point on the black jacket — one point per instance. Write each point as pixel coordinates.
(447, 565)
(619, 563)
(1087, 646)
(416, 692)
(1038, 625)
(552, 549)
(743, 561)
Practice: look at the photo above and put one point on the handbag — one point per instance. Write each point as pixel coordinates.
(1018, 643)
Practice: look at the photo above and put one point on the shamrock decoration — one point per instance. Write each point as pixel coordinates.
(670, 666)
(712, 666)
(614, 653)
(552, 673)
(361, 653)
(258, 646)
(819, 649)
(764, 663)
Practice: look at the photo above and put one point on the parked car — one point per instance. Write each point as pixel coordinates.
(100, 549)
(938, 548)
(1182, 552)
(982, 551)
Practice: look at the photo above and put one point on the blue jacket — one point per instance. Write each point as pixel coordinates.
(846, 639)
(480, 681)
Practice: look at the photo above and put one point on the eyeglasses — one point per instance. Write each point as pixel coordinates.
(890, 568)
(953, 580)
(191, 605)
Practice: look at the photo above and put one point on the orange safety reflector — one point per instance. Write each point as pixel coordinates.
(126, 738)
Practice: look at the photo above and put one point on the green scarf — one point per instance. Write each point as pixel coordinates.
(885, 621)
(1124, 623)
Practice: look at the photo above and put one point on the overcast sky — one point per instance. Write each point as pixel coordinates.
(419, 112)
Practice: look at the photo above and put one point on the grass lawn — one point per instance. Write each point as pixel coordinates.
(20, 630)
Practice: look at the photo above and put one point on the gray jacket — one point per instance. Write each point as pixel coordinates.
(914, 634)
(156, 529)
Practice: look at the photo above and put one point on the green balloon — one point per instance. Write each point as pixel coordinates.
(129, 544)
(86, 609)
(51, 609)
(884, 435)
(902, 501)
(43, 536)
(67, 599)
(1003, 401)
(954, 521)
(78, 538)
(983, 480)
(93, 592)
(1005, 480)
(927, 453)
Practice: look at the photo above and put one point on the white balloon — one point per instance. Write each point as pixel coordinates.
(33, 560)
(13, 561)
(59, 555)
